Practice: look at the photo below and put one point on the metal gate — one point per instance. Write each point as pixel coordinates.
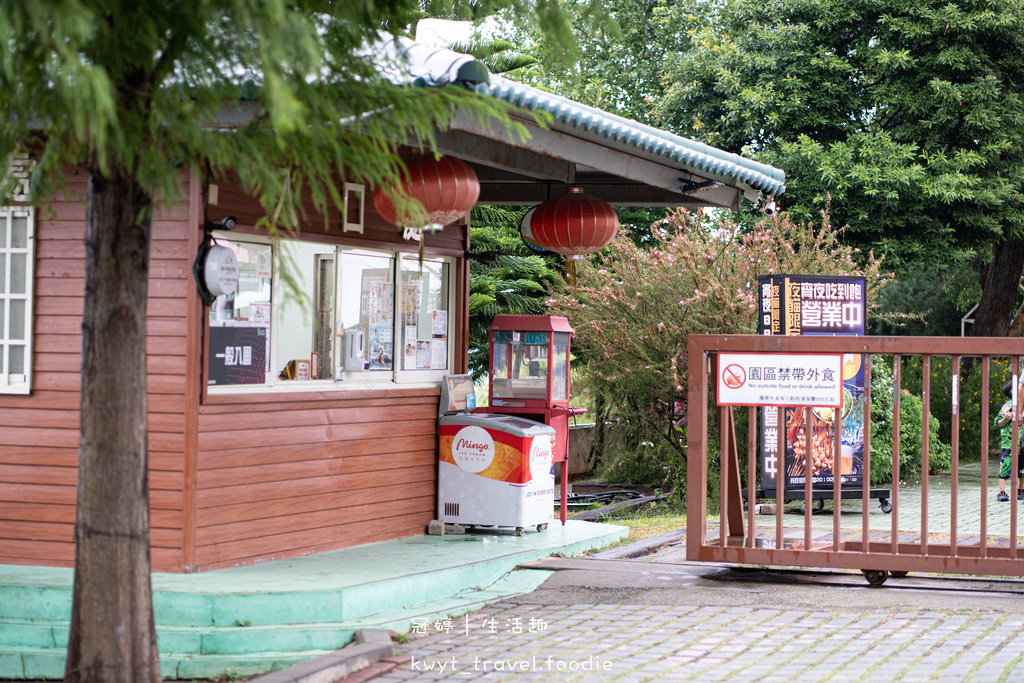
(879, 552)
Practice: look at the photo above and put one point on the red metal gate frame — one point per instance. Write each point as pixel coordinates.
(737, 543)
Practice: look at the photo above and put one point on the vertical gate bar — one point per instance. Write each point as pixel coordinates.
(895, 493)
(983, 542)
(751, 472)
(837, 469)
(1014, 453)
(926, 382)
(780, 477)
(723, 470)
(734, 483)
(955, 467)
(865, 469)
(696, 450)
(808, 475)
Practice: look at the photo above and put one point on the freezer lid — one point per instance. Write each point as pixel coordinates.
(510, 424)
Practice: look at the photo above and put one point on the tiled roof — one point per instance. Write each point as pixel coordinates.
(406, 61)
(637, 138)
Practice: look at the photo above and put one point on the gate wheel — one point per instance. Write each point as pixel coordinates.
(885, 504)
(876, 577)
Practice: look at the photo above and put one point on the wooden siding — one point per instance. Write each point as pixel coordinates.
(233, 479)
(289, 476)
(39, 432)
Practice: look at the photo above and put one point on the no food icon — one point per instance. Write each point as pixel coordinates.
(734, 376)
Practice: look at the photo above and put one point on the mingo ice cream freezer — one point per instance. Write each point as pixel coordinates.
(495, 470)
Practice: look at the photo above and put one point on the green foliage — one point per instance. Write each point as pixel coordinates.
(911, 430)
(135, 88)
(907, 113)
(971, 399)
(499, 55)
(918, 305)
(504, 276)
(620, 57)
(633, 308)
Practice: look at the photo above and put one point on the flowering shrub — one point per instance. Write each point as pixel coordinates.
(633, 308)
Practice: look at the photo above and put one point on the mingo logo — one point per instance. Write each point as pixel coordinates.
(541, 456)
(473, 449)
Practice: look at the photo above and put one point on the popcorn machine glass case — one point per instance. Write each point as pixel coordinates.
(530, 376)
(522, 370)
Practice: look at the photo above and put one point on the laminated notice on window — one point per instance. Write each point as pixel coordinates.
(438, 354)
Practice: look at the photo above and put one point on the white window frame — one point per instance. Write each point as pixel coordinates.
(350, 381)
(17, 383)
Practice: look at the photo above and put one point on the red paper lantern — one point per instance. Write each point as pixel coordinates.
(447, 188)
(574, 225)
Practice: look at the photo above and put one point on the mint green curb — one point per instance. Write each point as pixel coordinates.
(259, 618)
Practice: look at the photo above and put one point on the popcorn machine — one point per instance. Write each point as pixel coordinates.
(529, 372)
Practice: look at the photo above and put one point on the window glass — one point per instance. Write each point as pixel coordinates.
(305, 314)
(367, 295)
(425, 320)
(310, 311)
(239, 348)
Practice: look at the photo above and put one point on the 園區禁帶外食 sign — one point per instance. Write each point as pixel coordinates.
(758, 379)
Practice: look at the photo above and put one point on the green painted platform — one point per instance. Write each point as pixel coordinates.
(263, 617)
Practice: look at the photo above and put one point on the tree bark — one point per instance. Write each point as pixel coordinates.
(1000, 284)
(113, 637)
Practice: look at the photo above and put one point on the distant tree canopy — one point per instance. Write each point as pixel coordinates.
(909, 114)
(905, 114)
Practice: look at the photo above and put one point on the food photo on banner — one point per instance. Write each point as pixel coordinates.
(815, 305)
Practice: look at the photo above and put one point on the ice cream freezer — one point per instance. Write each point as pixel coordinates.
(495, 470)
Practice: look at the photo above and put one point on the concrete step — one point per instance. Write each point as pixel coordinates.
(32, 649)
(255, 619)
(17, 634)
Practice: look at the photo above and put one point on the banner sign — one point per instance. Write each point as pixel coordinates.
(754, 379)
(238, 355)
(818, 305)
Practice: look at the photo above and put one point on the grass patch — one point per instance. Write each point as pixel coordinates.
(649, 520)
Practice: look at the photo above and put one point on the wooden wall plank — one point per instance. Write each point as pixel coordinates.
(339, 484)
(255, 474)
(319, 521)
(169, 422)
(37, 436)
(38, 417)
(16, 551)
(380, 451)
(284, 507)
(300, 418)
(289, 545)
(36, 512)
(27, 455)
(317, 434)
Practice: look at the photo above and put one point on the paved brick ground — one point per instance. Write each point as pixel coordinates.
(623, 642)
(714, 643)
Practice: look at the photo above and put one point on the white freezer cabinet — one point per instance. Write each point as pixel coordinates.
(495, 470)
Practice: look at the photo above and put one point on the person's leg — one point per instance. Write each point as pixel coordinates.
(1004, 474)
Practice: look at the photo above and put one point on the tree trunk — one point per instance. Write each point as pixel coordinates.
(1000, 284)
(113, 637)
